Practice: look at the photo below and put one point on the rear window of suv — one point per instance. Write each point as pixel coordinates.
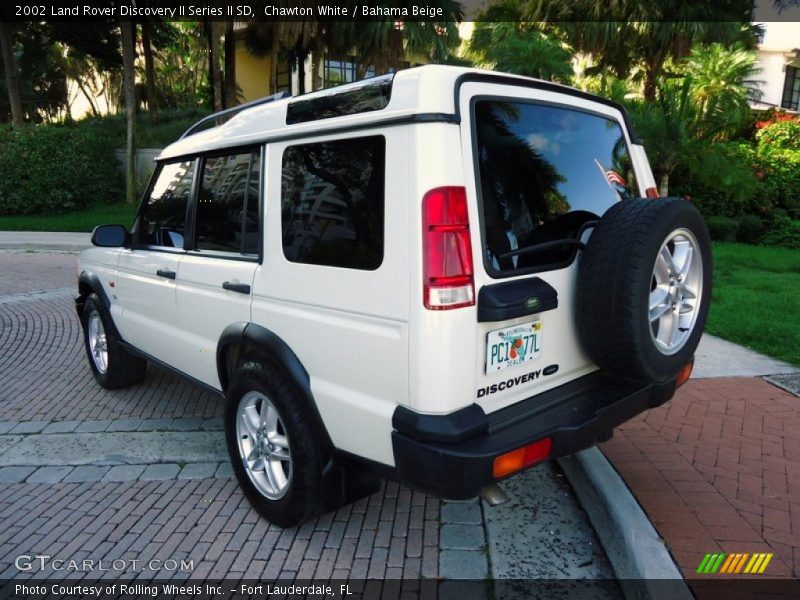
(544, 172)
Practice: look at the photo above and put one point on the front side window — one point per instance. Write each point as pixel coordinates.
(332, 202)
(227, 204)
(163, 218)
(544, 171)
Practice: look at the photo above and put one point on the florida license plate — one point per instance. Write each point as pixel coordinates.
(513, 346)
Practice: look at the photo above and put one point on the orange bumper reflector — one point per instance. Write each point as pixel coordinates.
(684, 374)
(518, 459)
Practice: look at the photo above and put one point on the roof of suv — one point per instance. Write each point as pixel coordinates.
(426, 93)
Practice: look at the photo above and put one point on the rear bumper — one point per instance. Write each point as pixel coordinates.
(452, 456)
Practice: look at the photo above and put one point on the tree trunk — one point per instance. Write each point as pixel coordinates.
(214, 70)
(12, 78)
(652, 71)
(317, 80)
(129, 87)
(230, 66)
(88, 97)
(273, 71)
(663, 186)
(149, 68)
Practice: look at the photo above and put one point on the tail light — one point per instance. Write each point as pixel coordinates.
(651, 193)
(518, 459)
(447, 271)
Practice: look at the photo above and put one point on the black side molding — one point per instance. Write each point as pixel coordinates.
(512, 299)
(451, 428)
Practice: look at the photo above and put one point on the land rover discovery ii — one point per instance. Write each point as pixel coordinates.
(441, 276)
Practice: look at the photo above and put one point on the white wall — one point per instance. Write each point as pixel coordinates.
(779, 48)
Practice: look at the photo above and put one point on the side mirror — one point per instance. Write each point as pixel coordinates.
(110, 236)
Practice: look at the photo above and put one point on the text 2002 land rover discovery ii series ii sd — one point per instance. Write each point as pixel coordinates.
(441, 276)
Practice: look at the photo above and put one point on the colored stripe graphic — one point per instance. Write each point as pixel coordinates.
(717, 563)
(753, 562)
(741, 562)
(738, 562)
(703, 563)
(764, 564)
(732, 558)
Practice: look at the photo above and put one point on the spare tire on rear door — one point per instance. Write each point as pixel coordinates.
(644, 285)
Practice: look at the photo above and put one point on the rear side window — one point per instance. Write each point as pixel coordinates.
(228, 204)
(163, 218)
(332, 202)
(544, 172)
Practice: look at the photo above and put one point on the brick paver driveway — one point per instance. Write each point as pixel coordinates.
(112, 510)
(718, 470)
(139, 479)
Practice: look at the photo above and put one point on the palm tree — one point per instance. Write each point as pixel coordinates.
(680, 134)
(625, 33)
(515, 47)
(129, 87)
(230, 65)
(723, 85)
(386, 43)
(291, 39)
(10, 68)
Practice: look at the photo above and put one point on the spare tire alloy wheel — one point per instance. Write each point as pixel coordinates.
(643, 289)
(264, 445)
(677, 291)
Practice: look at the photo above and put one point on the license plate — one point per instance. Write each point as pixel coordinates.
(513, 346)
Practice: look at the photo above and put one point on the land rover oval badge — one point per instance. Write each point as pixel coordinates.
(532, 302)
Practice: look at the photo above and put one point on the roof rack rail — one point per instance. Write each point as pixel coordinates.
(229, 112)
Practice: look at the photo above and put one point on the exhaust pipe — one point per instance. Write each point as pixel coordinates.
(494, 495)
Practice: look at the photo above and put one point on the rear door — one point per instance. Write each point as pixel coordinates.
(214, 284)
(547, 166)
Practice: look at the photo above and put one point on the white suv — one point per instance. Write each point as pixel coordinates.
(441, 276)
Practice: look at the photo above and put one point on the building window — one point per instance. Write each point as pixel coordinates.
(284, 76)
(336, 72)
(791, 89)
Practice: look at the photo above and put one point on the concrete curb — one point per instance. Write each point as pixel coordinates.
(44, 241)
(639, 557)
(61, 248)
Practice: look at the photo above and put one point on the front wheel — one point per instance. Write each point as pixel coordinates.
(112, 366)
(272, 446)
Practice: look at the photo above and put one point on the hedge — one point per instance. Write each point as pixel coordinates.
(56, 168)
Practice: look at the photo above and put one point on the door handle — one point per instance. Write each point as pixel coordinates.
(241, 288)
(166, 273)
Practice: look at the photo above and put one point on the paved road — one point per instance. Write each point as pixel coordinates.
(141, 473)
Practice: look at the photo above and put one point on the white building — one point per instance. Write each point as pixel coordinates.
(779, 61)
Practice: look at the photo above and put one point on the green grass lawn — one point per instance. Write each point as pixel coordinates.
(756, 298)
(84, 220)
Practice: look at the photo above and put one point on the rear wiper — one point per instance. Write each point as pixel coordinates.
(545, 246)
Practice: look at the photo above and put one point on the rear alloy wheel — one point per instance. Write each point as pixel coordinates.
(263, 445)
(274, 452)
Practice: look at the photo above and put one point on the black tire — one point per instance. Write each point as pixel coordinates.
(614, 283)
(123, 369)
(303, 496)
